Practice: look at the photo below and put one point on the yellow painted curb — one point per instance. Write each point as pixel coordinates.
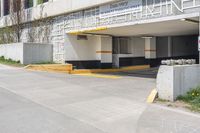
(152, 96)
(82, 71)
(68, 68)
(65, 68)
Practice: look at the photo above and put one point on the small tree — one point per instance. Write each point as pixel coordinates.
(17, 17)
(39, 29)
(6, 35)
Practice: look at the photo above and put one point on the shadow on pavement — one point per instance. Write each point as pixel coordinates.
(146, 73)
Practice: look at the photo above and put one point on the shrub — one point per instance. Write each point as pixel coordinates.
(193, 98)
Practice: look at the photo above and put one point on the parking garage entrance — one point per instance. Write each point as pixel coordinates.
(130, 51)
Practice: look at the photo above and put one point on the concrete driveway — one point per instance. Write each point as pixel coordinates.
(39, 102)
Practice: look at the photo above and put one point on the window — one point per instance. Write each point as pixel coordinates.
(0, 8)
(41, 1)
(28, 3)
(6, 7)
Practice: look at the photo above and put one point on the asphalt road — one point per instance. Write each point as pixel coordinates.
(39, 102)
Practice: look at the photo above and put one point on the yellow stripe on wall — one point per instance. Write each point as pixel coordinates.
(89, 30)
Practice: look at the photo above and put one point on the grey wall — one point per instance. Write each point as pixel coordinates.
(184, 45)
(37, 53)
(177, 46)
(27, 53)
(162, 47)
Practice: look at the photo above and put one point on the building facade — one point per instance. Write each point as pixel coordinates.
(115, 33)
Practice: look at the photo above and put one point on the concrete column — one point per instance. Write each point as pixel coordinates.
(104, 51)
(150, 48)
(169, 46)
(2, 8)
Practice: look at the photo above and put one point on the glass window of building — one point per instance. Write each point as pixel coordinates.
(6, 7)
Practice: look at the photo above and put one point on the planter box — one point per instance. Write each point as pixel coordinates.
(173, 81)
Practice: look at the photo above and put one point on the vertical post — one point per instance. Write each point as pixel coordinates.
(199, 39)
(169, 42)
(2, 8)
(150, 47)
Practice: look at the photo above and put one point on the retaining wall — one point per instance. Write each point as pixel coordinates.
(27, 53)
(173, 81)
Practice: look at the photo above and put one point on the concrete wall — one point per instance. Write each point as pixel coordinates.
(173, 81)
(56, 7)
(137, 46)
(37, 53)
(76, 50)
(150, 48)
(12, 51)
(94, 48)
(106, 50)
(27, 53)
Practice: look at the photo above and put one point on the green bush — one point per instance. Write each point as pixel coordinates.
(2, 58)
(192, 98)
(9, 61)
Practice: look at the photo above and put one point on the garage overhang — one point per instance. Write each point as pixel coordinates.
(187, 24)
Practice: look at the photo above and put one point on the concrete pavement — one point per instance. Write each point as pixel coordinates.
(59, 103)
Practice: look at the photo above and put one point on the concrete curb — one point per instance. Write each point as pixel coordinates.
(152, 96)
(65, 68)
(68, 68)
(83, 71)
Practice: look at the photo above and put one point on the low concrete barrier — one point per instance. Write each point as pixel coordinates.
(27, 53)
(173, 81)
(64, 68)
(82, 71)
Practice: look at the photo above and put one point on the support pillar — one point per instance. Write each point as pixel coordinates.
(104, 51)
(150, 48)
(2, 8)
(169, 46)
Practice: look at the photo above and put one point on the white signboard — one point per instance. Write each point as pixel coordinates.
(120, 8)
(199, 43)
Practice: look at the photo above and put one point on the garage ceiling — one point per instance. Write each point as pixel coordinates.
(165, 28)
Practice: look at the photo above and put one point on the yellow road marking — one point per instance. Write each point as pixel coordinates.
(99, 76)
(152, 96)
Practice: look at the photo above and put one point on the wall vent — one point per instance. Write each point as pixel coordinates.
(82, 37)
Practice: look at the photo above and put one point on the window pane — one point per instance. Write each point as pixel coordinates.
(6, 7)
